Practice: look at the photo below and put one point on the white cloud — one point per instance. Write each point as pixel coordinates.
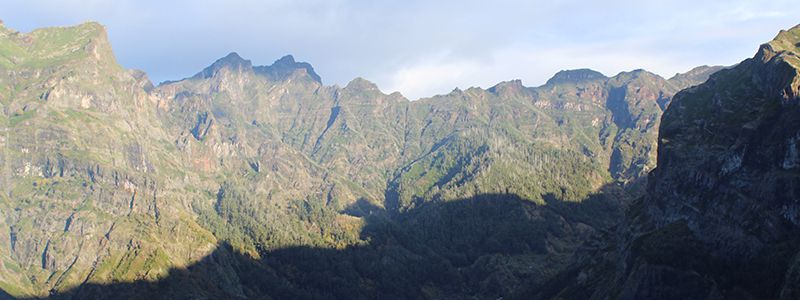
(432, 76)
(533, 64)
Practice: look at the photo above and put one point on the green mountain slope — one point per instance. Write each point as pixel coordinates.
(107, 178)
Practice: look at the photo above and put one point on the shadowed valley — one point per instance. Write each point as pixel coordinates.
(486, 246)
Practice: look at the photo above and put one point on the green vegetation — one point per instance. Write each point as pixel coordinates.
(249, 178)
(45, 48)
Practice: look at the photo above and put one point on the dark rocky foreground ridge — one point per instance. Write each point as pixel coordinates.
(719, 219)
(260, 182)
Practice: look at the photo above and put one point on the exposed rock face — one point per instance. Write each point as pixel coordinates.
(720, 217)
(575, 76)
(107, 178)
(84, 188)
(283, 69)
(232, 62)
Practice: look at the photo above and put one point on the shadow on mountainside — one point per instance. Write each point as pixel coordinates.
(489, 246)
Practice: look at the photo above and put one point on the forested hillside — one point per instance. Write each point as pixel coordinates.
(260, 181)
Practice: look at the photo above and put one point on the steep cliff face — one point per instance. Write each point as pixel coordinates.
(87, 191)
(720, 217)
(727, 176)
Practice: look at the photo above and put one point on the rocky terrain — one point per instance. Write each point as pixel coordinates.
(720, 216)
(247, 181)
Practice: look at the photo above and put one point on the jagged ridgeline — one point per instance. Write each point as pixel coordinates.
(251, 181)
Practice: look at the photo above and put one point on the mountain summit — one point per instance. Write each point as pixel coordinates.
(284, 67)
(575, 76)
(231, 61)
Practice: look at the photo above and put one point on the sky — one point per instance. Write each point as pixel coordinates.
(422, 48)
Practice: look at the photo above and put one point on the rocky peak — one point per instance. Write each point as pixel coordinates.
(575, 76)
(638, 74)
(285, 67)
(94, 37)
(786, 41)
(781, 62)
(512, 88)
(361, 84)
(58, 45)
(515, 84)
(232, 61)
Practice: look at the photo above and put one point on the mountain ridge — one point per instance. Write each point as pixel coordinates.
(111, 179)
(564, 76)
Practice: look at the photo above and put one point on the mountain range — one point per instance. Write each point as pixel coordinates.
(246, 181)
